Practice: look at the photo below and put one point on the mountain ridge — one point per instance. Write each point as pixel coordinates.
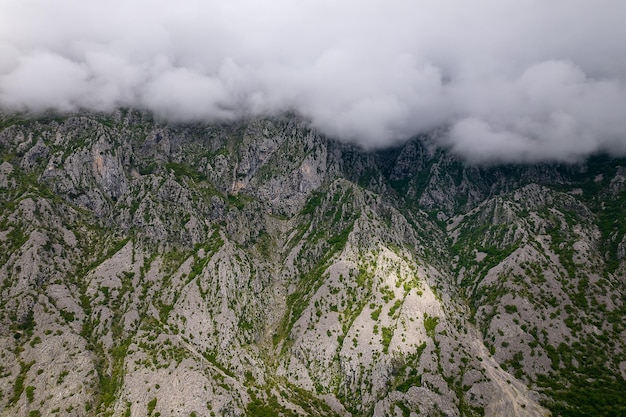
(259, 268)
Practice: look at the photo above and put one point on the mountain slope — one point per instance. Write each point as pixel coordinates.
(258, 268)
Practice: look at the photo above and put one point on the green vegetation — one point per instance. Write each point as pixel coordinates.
(312, 204)
(613, 228)
(151, 406)
(585, 393)
(407, 373)
(184, 171)
(387, 335)
(258, 408)
(491, 240)
(236, 200)
(30, 393)
(328, 238)
(395, 307)
(588, 388)
(18, 385)
(510, 309)
(430, 323)
(26, 325)
(264, 403)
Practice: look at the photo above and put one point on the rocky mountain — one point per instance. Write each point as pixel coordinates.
(257, 268)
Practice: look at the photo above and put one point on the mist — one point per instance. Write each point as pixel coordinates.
(509, 81)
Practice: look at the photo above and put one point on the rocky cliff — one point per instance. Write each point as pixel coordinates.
(257, 268)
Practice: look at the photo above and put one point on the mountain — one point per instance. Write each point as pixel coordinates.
(258, 268)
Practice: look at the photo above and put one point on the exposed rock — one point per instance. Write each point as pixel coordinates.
(259, 268)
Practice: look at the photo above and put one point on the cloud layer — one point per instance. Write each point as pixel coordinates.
(513, 80)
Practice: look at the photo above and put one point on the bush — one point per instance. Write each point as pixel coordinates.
(510, 309)
(30, 393)
(387, 336)
(151, 406)
(429, 324)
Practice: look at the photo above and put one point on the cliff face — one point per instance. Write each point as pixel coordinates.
(257, 268)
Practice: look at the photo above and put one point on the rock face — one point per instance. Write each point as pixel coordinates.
(257, 268)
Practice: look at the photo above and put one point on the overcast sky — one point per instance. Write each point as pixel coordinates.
(513, 80)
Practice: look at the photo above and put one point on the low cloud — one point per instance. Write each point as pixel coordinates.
(512, 81)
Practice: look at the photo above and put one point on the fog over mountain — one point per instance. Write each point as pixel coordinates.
(512, 81)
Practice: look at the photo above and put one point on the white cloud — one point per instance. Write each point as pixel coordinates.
(515, 80)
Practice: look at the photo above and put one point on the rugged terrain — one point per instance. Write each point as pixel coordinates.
(258, 268)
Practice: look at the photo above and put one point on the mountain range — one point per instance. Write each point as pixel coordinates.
(258, 268)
